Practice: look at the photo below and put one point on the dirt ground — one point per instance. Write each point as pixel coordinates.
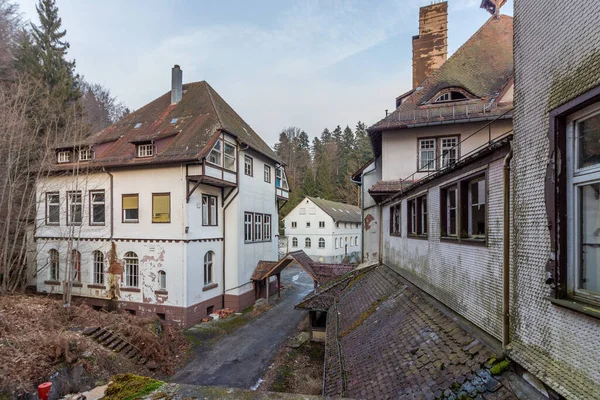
(39, 340)
(298, 370)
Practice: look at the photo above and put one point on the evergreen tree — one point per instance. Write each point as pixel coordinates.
(363, 148)
(326, 136)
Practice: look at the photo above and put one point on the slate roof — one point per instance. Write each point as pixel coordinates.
(386, 339)
(199, 117)
(391, 186)
(482, 66)
(340, 212)
(326, 272)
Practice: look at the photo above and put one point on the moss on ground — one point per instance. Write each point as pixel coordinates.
(130, 387)
(500, 367)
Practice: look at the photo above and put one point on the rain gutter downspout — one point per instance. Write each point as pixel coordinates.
(112, 204)
(362, 209)
(506, 252)
(224, 209)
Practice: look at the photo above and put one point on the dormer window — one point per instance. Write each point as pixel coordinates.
(174, 121)
(137, 125)
(448, 95)
(145, 150)
(86, 155)
(64, 156)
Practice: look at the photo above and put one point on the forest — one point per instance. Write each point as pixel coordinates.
(323, 168)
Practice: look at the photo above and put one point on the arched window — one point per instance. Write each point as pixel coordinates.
(336, 243)
(451, 95)
(98, 267)
(162, 280)
(307, 243)
(54, 262)
(75, 266)
(132, 269)
(294, 242)
(208, 267)
(321, 243)
(356, 240)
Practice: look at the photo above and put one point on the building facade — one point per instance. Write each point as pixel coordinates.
(555, 330)
(165, 213)
(327, 231)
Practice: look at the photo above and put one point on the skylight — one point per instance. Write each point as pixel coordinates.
(137, 125)
(174, 121)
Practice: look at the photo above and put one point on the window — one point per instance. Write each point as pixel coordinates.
(356, 240)
(450, 96)
(423, 215)
(294, 224)
(583, 203)
(132, 269)
(267, 227)
(294, 242)
(258, 218)
(174, 121)
(321, 243)
(229, 157)
(307, 242)
(312, 211)
(52, 208)
(161, 207)
(302, 211)
(248, 166)
(395, 219)
(74, 207)
(130, 207)
(86, 154)
(267, 174)
(137, 126)
(64, 156)
(412, 217)
(209, 210)
(449, 147)
(215, 154)
(321, 224)
(476, 199)
(248, 218)
(308, 224)
(336, 243)
(75, 266)
(345, 225)
(281, 179)
(426, 154)
(449, 197)
(98, 258)
(162, 280)
(145, 150)
(54, 263)
(337, 225)
(208, 268)
(97, 207)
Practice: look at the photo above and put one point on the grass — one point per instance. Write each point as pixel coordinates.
(130, 387)
(209, 332)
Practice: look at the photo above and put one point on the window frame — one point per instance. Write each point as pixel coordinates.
(54, 265)
(321, 224)
(162, 280)
(163, 194)
(145, 150)
(64, 160)
(267, 227)
(128, 260)
(294, 242)
(91, 194)
(433, 163)
(321, 243)
(281, 181)
(267, 173)
(226, 156)
(447, 149)
(248, 222)
(417, 219)
(219, 151)
(469, 193)
(48, 205)
(396, 219)
(209, 220)
(294, 224)
(98, 277)
(75, 265)
(307, 243)
(71, 203)
(445, 210)
(130, 221)
(209, 260)
(87, 151)
(248, 162)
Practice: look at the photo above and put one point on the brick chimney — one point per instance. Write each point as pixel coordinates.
(430, 46)
(176, 84)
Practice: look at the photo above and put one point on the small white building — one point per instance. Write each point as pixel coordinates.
(327, 231)
(165, 213)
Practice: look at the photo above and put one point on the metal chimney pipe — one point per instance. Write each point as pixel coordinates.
(176, 84)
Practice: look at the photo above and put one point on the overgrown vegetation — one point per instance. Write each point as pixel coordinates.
(130, 387)
(38, 336)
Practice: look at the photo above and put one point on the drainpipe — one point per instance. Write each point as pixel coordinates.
(112, 204)
(362, 209)
(224, 209)
(506, 252)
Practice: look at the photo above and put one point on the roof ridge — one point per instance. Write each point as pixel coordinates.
(212, 101)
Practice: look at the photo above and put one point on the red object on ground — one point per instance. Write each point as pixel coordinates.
(44, 390)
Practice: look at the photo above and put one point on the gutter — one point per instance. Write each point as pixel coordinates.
(224, 209)
(112, 204)
(506, 253)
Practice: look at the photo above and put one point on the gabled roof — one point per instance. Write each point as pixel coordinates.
(198, 119)
(482, 67)
(340, 212)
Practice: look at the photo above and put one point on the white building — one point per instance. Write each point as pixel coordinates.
(327, 231)
(185, 194)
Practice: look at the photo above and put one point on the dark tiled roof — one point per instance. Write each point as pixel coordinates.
(262, 269)
(483, 67)
(385, 339)
(326, 272)
(340, 212)
(359, 172)
(305, 262)
(392, 186)
(201, 115)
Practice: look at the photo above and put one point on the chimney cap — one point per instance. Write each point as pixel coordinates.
(177, 66)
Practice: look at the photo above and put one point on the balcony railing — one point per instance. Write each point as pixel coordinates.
(448, 111)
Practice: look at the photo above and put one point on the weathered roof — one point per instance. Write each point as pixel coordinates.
(386, 339)
(262, 269)
(359, 171)
(340, 212)
(197, 119)
(482, 66)
(391, 186)
(326, 272)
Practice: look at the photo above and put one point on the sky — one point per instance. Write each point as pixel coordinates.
(305, 63)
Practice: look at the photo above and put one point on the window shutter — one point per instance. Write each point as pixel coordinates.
(130, 202)
(161, 208)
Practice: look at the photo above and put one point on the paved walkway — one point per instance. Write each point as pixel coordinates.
(240, 359)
